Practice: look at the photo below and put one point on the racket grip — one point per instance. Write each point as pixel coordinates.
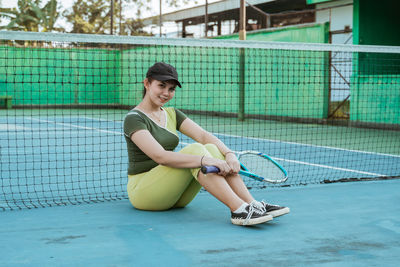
(209, 169)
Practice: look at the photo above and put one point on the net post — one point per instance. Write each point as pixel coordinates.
(242, 36)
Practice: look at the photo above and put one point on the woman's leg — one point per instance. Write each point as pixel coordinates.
(239, 187)
(163, 187)
(189, 194)
(217, 186)
(233, 193)
(234, 181)
(213, 183)
(158, 189)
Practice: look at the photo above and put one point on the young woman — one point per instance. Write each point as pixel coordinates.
(160, 179)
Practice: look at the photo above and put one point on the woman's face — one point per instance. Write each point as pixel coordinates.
(160, 92)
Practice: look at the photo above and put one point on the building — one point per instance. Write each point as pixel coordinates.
(223, 17)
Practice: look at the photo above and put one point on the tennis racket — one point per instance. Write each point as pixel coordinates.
(257, 166)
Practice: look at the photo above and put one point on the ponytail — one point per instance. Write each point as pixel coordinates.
(144, 92)
(144, 88)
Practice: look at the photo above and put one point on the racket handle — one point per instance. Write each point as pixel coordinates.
(209, 169)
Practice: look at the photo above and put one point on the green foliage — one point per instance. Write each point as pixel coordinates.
(86, 16)
(133, 27)
(30, 16)
(89, 16)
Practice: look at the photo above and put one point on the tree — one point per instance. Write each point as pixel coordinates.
(50, 16)
(29, 16)
(89, 16)
(94, 16)
(86, 16)
(134, 26)
(0, 12)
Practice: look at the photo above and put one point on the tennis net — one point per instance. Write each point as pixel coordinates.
(327, 113)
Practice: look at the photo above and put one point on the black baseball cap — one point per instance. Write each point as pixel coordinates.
(163, 72)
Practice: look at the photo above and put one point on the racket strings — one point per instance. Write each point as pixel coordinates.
(261, 166)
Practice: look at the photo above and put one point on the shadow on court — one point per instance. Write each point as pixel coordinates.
(349, 224)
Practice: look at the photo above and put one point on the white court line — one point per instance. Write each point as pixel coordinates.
(76, 126)
(184, 143)
(96, 119)
(300, 144)
(251, 138)
(329, 167)
(48, 132)
(319, 165)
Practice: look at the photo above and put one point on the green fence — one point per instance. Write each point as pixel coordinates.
(53, 76)
(304, 33)
(375, 99)
(278, 82)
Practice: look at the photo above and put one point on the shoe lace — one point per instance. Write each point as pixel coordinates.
(259, 206)
(249, 214)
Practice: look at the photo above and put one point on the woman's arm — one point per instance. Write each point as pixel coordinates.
(194, 131)
(146, 142)
(197, 133)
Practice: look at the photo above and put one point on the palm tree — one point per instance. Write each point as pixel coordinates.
(50, 16)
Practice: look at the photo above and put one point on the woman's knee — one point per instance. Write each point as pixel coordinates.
(201, 150)
(214, 151)
(195, 149)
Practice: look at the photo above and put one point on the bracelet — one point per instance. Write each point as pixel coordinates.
(201, 161)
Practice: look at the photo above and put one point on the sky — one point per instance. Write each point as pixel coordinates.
(128, 10)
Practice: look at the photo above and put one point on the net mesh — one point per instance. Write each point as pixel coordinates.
(325, 113)
(262, 166)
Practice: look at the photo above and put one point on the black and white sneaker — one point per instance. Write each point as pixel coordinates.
(274, 210)
(250, 216)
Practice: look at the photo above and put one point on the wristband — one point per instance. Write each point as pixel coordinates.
(201, 161)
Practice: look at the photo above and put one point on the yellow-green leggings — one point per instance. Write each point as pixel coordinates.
(164, 187)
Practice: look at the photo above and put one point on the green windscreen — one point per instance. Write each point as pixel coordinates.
(63, 99)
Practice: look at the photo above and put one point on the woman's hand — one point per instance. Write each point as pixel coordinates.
(233, 162)
(222, 165)
(227, 167)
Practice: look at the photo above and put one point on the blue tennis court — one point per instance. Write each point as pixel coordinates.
(344, 224)
(84, 159)
(63, 170)
(73, 148)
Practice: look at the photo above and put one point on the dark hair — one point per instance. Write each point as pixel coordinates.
(144, 88)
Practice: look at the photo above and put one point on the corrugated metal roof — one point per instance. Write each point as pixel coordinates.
(200, 10)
